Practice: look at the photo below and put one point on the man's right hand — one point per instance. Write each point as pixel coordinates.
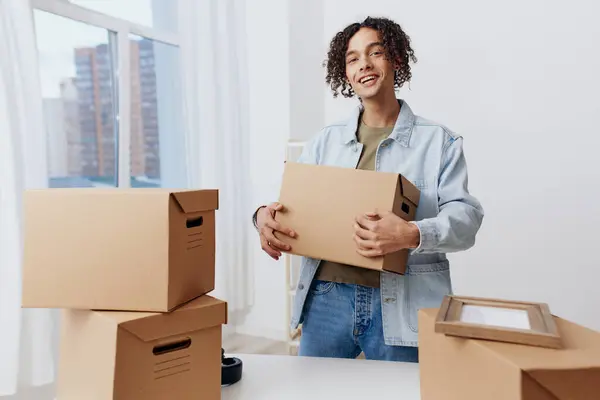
(267, 226)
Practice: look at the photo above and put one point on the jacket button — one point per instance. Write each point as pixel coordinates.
(300, 286)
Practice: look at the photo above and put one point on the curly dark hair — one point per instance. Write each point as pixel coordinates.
(395, 41)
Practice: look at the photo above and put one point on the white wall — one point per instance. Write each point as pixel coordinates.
(520, 81)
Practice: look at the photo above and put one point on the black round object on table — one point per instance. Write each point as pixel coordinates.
(231, 369)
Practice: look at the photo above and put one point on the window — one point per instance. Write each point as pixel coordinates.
(79, 101)
(148, 13)
(155, 112)
(111, 92)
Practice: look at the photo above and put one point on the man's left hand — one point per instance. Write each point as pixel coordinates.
(380, 233)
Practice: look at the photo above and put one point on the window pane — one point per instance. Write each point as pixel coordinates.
(160, 14)
(76, 72)
(157, 141)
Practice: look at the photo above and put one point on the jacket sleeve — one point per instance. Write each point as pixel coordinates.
(460, 216)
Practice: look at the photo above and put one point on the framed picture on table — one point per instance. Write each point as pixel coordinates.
(518, 322)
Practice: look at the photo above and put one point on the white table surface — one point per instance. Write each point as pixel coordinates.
(271, 377)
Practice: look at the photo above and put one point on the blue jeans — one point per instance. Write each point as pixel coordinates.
(341, 320)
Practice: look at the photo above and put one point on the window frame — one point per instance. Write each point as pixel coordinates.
(122, 28)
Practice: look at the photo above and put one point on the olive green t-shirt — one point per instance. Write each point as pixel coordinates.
(330, 271)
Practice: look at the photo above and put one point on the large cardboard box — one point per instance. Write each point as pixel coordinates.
(118, 249)
(322, 202)
(455, 368)
(112, 355)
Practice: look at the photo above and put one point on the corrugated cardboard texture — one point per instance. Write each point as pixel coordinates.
(118, 249)
(457, 368)
(321, 203)
(124, 356)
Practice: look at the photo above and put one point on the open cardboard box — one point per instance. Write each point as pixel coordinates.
(322, 202)
(118, 249)
(132, 355)
(457, 368)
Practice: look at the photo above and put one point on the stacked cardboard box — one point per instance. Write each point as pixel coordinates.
(131, 269)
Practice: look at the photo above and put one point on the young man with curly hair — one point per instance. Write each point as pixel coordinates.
(346, 310)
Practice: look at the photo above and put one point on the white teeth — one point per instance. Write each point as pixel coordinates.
(367, 78)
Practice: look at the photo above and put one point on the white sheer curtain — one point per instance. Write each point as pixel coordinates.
(27, 353)
(213, 42)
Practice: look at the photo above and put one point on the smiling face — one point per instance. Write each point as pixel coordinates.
(368, 70)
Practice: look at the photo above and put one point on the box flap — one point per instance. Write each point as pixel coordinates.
(200, 313)
(118, 317)
(409, 191)
(581, 349)
(192, 201)
(571, 384)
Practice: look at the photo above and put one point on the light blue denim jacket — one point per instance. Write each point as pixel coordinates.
(448, 216)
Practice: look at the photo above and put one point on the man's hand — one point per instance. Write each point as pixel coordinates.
(267, 226)
(377, 234)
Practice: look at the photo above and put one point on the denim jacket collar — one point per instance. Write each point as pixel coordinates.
(401, 132)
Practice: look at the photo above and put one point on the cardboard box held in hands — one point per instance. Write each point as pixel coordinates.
(322, 202)
(457, 368)
(118, 249)
(134, 355)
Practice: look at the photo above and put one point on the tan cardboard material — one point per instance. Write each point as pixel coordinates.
(454, 368)
(133, 355)
(118, 249)
(321, 203)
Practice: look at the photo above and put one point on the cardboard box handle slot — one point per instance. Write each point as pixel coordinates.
(171, 347)
(405, 208)
(194, 222)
